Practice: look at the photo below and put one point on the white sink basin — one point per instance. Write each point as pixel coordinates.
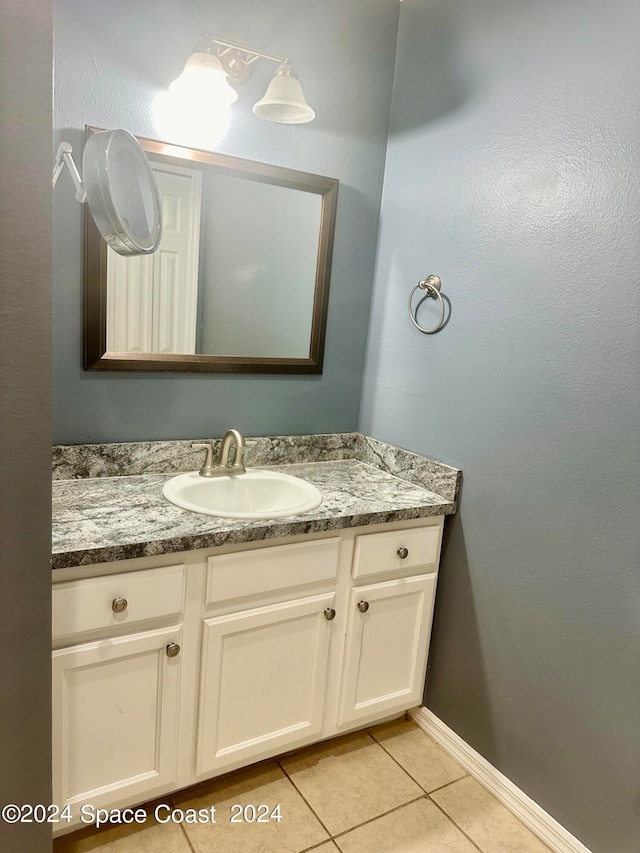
(256, 494)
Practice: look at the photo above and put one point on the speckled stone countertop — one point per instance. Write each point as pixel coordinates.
(117, 512)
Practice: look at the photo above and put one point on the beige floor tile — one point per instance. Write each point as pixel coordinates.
(419, 827)
(484, 819)
(419, 754)
(150, 837)
(349, 780)
(265, 784)
(329, 847)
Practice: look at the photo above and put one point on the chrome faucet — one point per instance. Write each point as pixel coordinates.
(222, 467)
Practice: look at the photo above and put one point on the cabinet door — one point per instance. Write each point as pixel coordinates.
(388, 630)
(262, 682)
(115, 714)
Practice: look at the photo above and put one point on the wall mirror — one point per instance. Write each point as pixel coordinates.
(239, 283)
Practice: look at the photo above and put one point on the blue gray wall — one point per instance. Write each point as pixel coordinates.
(108, 70)
(513, 171)
(25, 419)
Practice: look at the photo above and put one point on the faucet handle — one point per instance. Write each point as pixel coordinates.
(202, 446)
(208, 466)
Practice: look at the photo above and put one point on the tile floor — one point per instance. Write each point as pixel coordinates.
(390, 789)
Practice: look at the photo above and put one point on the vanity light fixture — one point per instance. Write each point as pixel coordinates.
(120, 188)
(217, 65)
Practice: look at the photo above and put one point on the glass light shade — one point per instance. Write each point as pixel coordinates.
(203, 80)
(187, 123)
(284, 100)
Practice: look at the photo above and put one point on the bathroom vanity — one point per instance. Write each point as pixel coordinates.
(239, 640)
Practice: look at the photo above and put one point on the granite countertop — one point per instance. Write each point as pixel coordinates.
(101, 519)
(106, 518)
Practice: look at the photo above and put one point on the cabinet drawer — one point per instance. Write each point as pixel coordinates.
(269, 570)
(93, 604)
(376, 553)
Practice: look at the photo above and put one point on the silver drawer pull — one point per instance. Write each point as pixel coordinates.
(329, 614)
(403, 553)
(363, 606)
(119, 605)
(173, 650)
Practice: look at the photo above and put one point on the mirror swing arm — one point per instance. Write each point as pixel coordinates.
(119, 188)
(64, 157)
(96, 354)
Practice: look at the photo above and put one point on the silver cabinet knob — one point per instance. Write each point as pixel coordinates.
(329, 614)
(403, 553)
(119, 605)
(363, 606)
(173, 650)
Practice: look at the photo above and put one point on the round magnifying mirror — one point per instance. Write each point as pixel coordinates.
(122, 192)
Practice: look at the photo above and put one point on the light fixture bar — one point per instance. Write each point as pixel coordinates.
(247, 58)
(243, 48)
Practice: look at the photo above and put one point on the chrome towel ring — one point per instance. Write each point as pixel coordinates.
(432, 285)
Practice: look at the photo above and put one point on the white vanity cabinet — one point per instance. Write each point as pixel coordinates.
(116, 696)
(264, 667)
(234, 655)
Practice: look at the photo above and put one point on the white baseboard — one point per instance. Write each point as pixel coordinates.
(526, 810)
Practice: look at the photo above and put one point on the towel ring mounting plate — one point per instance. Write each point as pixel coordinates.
(431, 285)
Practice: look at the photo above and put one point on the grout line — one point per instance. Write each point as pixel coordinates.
(448, 816)
(433, 791)
(397, 808)
(172, 802)
(186, 835)
(404, 769)
(302, 749)
(316, 846)
(424, 795)
(332, 836)
(446, 784)
(377, 817)
(295, 787)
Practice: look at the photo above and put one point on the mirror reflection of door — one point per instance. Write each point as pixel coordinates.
(152, 299)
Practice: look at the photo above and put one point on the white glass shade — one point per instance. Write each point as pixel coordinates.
(122, 192)
(284, 100)
(203, 82)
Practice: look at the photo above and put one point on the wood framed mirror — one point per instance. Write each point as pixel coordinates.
(239, 283)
